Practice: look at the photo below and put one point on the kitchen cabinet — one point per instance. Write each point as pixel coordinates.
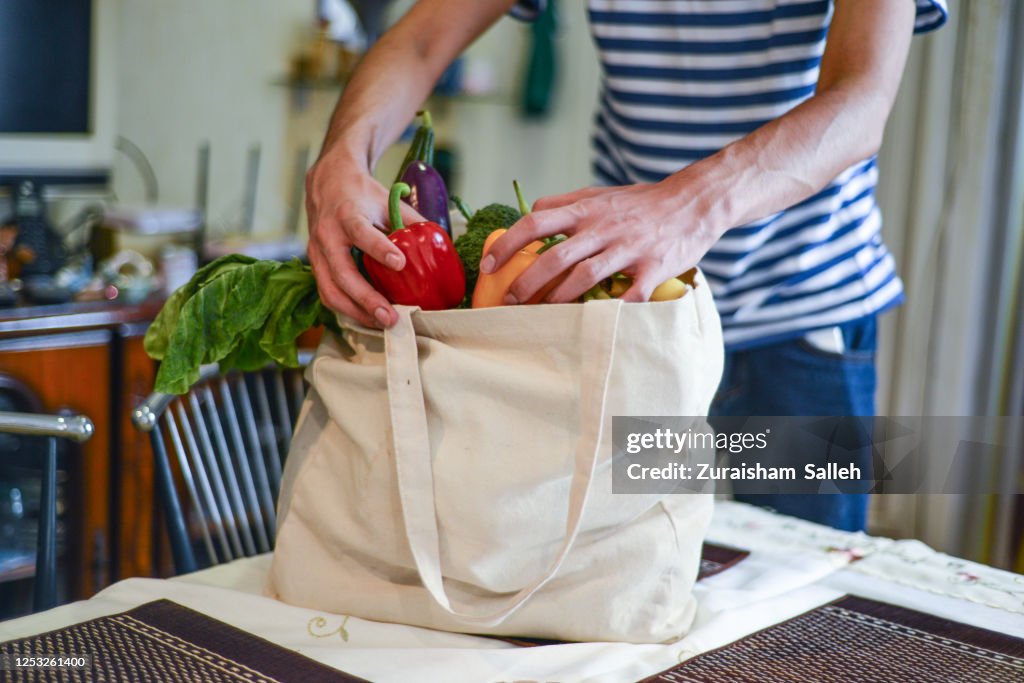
(89, 358)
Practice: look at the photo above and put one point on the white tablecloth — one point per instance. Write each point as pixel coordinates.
(794, 566)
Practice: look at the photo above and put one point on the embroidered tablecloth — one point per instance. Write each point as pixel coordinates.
(793, 568)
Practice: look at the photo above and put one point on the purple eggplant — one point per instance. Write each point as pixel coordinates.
(429, 196)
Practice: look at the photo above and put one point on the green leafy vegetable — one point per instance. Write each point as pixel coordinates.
(299, 311)
(238, 312)
(159, 334)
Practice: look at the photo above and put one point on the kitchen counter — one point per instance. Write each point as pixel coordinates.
(35, 319)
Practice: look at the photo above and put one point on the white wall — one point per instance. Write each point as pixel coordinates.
(548, 156)
(195, 70)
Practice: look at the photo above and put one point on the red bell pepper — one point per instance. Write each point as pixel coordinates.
(432, 278)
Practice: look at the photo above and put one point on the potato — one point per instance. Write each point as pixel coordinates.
(672, 288)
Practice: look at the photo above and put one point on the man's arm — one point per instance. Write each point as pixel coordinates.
(343, 201)
(656, 231)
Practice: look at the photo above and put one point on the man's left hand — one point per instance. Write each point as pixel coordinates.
(650, 232)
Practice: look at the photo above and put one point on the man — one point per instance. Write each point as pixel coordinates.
(740, 134)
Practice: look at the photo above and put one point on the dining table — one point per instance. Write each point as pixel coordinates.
(779, 599)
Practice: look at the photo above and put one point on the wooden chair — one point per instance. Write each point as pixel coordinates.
(76, 428)
(228, 437)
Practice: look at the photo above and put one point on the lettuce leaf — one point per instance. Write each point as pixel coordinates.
(159, 333)
(237, 311)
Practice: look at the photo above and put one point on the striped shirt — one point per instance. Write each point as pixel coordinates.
(681, 79)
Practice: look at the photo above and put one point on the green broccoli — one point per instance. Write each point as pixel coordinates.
(470, 245)
(492, 217)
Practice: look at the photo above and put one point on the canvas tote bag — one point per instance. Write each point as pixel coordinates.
(454, 471)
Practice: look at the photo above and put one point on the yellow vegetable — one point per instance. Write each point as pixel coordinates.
(619, 284)
(672, 288)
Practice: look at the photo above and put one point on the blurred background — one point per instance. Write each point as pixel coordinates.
(197, 121)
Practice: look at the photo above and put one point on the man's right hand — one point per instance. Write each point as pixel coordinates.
(347, 208)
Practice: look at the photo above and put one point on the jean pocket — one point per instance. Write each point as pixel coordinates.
(810, 346)
(851, 342)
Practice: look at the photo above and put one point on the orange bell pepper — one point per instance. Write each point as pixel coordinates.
(491, 288)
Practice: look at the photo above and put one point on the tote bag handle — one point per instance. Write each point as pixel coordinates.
(415, 468)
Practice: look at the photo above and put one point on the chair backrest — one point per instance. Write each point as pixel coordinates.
(225, 441)
(76, 428)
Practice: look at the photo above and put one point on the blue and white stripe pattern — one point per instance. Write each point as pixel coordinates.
(684, 78)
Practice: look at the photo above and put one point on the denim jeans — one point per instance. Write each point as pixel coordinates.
(796, 377)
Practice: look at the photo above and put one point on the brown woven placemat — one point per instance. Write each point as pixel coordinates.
(162, 641)
(715, 559)
(856, 640)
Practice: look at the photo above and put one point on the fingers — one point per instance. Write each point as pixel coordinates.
(351, 281)
(527, 229)
(643, 285)
(549, 265)
(588, 273)
(342, 286)
(374, 243)
(331, 295)
(560, 200)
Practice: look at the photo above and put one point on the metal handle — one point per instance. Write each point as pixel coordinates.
(76, 428)
(145, 416)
